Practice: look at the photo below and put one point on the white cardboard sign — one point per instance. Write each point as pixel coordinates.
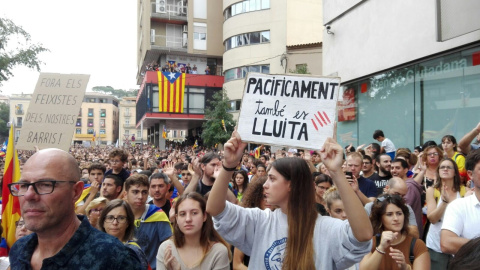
(296, 111)
(53, 111)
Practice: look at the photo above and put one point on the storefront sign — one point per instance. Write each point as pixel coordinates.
(295, 111)
(53, 110)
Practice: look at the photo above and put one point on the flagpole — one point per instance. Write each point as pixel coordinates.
(13, 143)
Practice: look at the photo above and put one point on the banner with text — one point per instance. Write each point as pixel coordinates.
(296, 111)
(53, 111)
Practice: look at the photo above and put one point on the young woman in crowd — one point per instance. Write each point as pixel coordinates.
(447, 188)
(117, 219)
(195, 243)
(288, 238)
(94, 210)
(334, 204)
(240, 183)
(322, 183)
(449, 145)
(393, 246)
(430, 157)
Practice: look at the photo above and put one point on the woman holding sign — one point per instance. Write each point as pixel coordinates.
(293, 236)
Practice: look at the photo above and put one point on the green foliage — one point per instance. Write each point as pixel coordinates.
(119, 93)
(4, 114)
(300, 69)
(24, 53)
(213, 131)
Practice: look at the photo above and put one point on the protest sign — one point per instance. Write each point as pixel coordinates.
(53, 110)
(295, 111)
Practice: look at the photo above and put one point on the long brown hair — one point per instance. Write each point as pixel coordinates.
(456, 177)
(209, 235)
(299, 253)
(379, 208)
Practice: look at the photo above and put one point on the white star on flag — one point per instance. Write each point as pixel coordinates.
(171, 75)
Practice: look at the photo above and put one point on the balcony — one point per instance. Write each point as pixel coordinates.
(18, 125)
(169, 43)
(170, 10)
(19, 112)
(127, 114)
(128, 126)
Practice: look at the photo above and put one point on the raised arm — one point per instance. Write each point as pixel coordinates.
(196, 173)
(465, 142)
(332, 156)
(434, 213)
(218, 195)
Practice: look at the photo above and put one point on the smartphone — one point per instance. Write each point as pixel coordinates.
(349, 176)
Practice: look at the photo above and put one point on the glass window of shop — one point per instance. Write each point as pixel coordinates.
(412, 105)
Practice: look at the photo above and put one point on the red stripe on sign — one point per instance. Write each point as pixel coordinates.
(321, 117)
(326, 117)
(363, 88)
(320, 122)
(313, 122)
(475, 58)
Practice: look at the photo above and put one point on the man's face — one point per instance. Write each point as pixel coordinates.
(116, 163)
(399, 189)
(186, 177)
(137, 196)
(398, 171)
(44, 213)
(385, 164)
(109, 189)
(367, 166)
(475, 175)
(210, 168)
(354, 165)
(263, 160)
(158, 188)
(95, 175)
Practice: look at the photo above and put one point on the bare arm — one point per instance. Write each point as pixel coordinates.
(434, 213)
(413, 231)
(464, 143)
(422, 262)
(94, 188)
(170, 171)
(421, 169)
(331, 154)
(218, 195)
(237, 261)
(196, 172)
(450, 242)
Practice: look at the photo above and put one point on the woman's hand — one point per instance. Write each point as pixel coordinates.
(170, 261)
(399, 258)
(445, 195)
(233, 150)
(386, 240)
(332, 155)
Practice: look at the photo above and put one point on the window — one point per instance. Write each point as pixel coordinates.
(90, 131)
(90, 112)
(241, 72)
(79, 122)
(174, 36)
(102, 122)
(200, 9)
(19, 109)
(127, 132)
(199, 36)
(247, 39)
(91, 100)
(102, 131)
(90, 122)
(139, 133)
(245, 6)
(234, 105)
(19, 121)
(78, 131)
(103, 113)
(127, 122)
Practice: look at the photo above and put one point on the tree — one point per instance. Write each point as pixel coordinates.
(213, 132)
(25, 53)
(300, 69)
(4, 113)
(119, 93)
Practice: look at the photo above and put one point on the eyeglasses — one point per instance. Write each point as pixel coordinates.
(367, 163)
(432, 154)
(97, 210)
(446, 168)
(20, 224)
(41, 187)
(119, 219)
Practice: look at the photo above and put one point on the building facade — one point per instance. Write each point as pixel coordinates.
(127, 116)
(397, 75)
(18, 111)
(272, 37)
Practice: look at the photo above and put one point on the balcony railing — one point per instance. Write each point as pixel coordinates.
(177, 11)
(19, 112)
(170, 42)
(128, 126)
(127, 114)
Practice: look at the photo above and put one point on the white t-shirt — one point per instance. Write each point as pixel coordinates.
(388, 146)
(462, 217)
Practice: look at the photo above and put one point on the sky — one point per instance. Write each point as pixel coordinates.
(96, 37)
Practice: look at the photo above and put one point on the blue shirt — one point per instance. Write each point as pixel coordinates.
(88, 248)
(367, 187)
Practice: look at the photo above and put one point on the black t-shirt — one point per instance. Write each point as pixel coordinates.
(202, 188)
(380, 181)
(166, 207)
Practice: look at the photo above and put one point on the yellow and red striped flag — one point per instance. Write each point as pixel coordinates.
(10, 206)
(171, 92)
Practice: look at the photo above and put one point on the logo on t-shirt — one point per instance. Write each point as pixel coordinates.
(274, 255)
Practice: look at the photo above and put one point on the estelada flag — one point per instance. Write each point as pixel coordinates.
(171, 91)
(164, 133)
(10, 205)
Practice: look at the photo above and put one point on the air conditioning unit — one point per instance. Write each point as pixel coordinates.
(152, 36)
(185, 28)
(161, 6)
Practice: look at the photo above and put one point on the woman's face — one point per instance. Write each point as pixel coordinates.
(190, 217)
(447, 145)
(432, 156)
(337, 210)
(277, 188)
(118, 224)
(95, 213)
(21, 230)
(239, 179)
(393, 218)
(320, 188)
(324, 170)
(446, 170)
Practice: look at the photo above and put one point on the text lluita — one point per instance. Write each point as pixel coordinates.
(296, 130)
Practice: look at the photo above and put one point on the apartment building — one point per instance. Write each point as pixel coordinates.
(129, 133)
(18, 111)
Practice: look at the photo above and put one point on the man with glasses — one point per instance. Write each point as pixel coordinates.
(47, 191)
(152, 224)
(396, 186)
(368, 170)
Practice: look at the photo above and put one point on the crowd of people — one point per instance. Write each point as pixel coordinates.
(366, 207)
(178, 68)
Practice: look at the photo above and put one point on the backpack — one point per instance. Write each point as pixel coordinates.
(412, 245)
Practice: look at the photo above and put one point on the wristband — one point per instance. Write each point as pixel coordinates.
(228, 169)
(379, 251)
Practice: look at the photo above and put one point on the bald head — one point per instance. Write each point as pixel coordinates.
(397, 186)
(55, 159)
